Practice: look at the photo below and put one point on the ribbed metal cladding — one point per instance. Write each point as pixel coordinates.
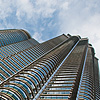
(16, 56)
(63, 68)
(96, 79)
(90, 82)
(65, 82)
(12, 36)
(87, 85)
(26, 84)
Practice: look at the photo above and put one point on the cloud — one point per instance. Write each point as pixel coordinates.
(45, 8)
(82, 17)
(24, 8)
(37, 36)
(46, 19)
(5, 9)
(30, 15)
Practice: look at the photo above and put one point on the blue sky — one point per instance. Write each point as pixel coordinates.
(45, 19)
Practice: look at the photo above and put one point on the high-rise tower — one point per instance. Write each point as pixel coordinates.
(64, 67)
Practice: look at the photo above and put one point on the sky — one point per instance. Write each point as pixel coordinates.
(46, 19)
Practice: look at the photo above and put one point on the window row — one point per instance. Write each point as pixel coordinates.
(15, 48)
(25, 85)
(64, 80)
(8, 37)
(12, 64)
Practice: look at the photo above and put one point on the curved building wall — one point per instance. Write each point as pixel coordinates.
(87, 84)
(12, 36)
(96, 77)
(59, 68)
(16, 56)
(26, 84)
(63, 84)
(90, 84)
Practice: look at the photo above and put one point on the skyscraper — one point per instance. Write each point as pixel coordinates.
(64, 67)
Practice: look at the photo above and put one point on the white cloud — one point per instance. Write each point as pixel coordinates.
(24, 8)
(37, 36)
(45, 8)
(33, 10)
(5, 9)
(27, 10)
(68, 16)
(83, 18)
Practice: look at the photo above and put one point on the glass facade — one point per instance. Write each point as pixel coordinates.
(26, 67)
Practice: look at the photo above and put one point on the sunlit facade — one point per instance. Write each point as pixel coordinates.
(64, 67)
